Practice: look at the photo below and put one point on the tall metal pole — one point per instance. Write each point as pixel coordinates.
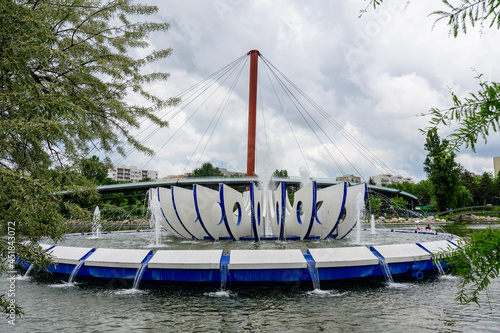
(252, 111)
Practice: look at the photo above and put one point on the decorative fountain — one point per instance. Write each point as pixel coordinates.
(256, 215)
(205, 215)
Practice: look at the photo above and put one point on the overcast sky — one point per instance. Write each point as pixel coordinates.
(372, 74)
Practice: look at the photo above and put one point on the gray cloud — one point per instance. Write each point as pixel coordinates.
(372, 74)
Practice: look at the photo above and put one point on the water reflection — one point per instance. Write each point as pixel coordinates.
(419, 306)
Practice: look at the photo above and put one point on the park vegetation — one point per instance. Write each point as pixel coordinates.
(474, 118)
(66, 71)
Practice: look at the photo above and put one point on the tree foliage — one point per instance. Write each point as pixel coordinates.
(280, 173)
(206, 170)
(399, 203)
(477, 115)
(470, 12)
(476, 262)
(442, 171)
(93, 169)
(66, 71)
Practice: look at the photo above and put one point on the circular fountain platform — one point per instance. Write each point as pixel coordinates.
(118, 256)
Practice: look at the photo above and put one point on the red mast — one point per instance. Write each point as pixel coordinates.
(252, 110)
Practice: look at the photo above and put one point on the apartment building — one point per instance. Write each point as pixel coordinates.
(124, 173)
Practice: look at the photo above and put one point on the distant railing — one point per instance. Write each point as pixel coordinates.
(470, 210)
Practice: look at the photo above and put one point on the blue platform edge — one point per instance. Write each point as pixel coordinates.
(291, 278)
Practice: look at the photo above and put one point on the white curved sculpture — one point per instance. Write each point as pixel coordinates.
(203, 213)
(208, 210)
(170, 220)
(329, 209)
(355, 203)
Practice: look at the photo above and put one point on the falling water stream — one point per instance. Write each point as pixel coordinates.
(313, 271)
(386, 270)
(75, 271)
(138, 275)
(426, 307)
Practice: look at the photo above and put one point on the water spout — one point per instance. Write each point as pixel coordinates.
(360, 202)
(154, 210)
(138, 275)
(305, 176)
(386, 270)
(372, 224)
(25, 276)
(440, 268)
(75, 271)
(313, 271)
(223, 276)
(96, 223)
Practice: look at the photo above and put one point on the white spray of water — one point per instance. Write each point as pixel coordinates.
(265, 174)
(96, 223)
(305, 176)
(154, 210)
(372, 223)
(359, 207)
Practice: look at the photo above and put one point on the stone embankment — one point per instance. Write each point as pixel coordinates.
(427, 219)
(108, 222)
(473, 217)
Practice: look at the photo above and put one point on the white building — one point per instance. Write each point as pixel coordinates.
(385, 179)
(349, 178)
(124, 173)
(496, 165)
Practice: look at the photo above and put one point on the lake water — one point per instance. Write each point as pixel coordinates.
(421, 306)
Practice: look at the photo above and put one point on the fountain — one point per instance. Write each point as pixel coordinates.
(154, 213)
(96, 223)
(372, 224)
(322, 215)
(202, 214)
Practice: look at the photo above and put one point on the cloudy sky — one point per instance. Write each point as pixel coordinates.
(371, 75)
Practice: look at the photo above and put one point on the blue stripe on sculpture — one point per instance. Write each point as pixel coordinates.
(223, 208)
(177, 213)
(196, 207)
(364, 202)
(313, 212)
(252, 212)
(341, 211)
(283, 210)
(163, 214)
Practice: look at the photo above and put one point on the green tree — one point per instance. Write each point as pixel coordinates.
(66, 68)
(93, 169)
(487, 188)
(476, 263)
(463, 196)
(442, 171)
(206, 170)
(475, 117)
(399, 203)
(423, 192)
(280, 173)
(374, 204)
(471, 183)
